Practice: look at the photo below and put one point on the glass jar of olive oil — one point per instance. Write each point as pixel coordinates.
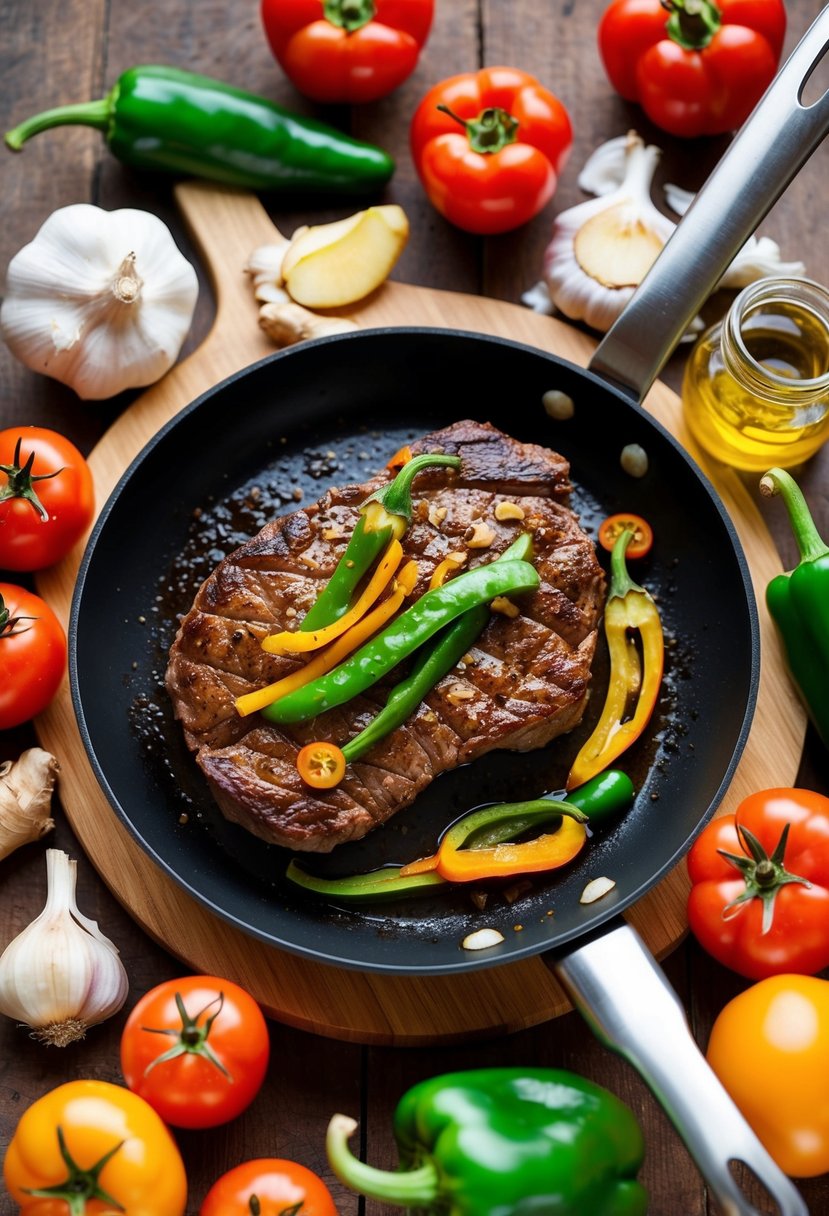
(756, 387)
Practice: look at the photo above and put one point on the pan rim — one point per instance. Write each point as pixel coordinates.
(467, 960)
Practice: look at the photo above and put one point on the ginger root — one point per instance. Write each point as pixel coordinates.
(26, 787)
(288, 323)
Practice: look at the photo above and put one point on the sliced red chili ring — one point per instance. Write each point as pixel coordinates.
(612, 528)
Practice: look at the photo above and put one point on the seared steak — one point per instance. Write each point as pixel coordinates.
(524, 682)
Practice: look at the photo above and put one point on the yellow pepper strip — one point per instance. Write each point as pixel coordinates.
(299, 642)
(629, 608)
(546, 852)
(252, 702)
(441, 572)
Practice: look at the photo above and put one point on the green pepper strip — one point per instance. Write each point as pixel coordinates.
(605, 796)
(164, 118)
(385, 514)
(504, 1141)
(798, 603)
(450, 646)
(403, 636)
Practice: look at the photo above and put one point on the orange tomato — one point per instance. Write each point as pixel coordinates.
(770, 1048)
(321, 765)
(64, 1135)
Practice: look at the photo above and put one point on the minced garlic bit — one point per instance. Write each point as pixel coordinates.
(595, 889)
(558, 405)
(479, 536)
(459, 692)
(332, 533)
(504, 606)
(508, 510)
(437, 515)
(634, 460)
(482, 939)
(309, 561)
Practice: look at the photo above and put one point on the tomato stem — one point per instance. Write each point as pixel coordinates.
(764, 875)
(692, 23)
(491, 131)
(349, 15)
(21, 481)
(9, 624)
(80, 1185)
(191, 1037)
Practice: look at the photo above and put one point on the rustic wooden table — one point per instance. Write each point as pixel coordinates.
(60, 52)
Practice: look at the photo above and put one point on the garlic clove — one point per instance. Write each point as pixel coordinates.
(61, 975)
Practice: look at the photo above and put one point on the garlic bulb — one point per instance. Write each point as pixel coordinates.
(602, 249)
(100, 300)
(61, 974)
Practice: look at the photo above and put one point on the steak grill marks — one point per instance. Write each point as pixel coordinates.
(523, 683)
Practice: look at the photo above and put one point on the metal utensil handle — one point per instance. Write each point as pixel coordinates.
(776, 140)
(623, 994)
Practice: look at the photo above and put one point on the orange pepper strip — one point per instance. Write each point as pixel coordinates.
(252, 702)
(401, 456)
(423, 865)
(546, 852)
(299, 642)
(448, 566)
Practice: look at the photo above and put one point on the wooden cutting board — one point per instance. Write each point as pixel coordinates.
(227, 226)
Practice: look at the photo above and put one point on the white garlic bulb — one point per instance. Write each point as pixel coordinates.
(61, 974)
(100, 300)
(602, 249)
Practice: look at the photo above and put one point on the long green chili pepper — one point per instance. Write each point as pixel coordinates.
(605, 796)
(449, 647)
(404, 635)
(163, 118)
(385, 514)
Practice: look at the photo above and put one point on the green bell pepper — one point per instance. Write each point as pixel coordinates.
(798, 603)
(164, 118)
(505, 1142)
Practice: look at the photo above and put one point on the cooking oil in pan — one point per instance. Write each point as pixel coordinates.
(756, 389)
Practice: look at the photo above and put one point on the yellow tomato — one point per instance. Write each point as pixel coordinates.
(106, 1142)
(770, 1048)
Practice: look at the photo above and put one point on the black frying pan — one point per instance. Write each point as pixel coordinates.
(359, 396)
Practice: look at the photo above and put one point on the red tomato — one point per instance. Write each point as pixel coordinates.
(766, 912)
(612, 528)
(696, 73)
(279, 1186)
(347, 50)
(489, 147)
(196, 1049)
(47, 501)
(32, 655)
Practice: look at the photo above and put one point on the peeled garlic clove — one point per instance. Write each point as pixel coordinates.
(331, 265)
(61, 975)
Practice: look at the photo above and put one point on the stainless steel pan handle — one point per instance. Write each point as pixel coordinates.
(777, 139)
(630, 1006)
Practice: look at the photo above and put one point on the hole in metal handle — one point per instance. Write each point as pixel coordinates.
(815, 87)
(753, 1188)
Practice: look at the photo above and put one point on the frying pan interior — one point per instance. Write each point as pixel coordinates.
(334, 411)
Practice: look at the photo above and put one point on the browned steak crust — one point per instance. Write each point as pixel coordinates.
(523, 683)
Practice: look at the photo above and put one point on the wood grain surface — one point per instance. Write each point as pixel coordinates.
(52, 53)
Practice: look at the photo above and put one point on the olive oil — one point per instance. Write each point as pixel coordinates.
(756, 387)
